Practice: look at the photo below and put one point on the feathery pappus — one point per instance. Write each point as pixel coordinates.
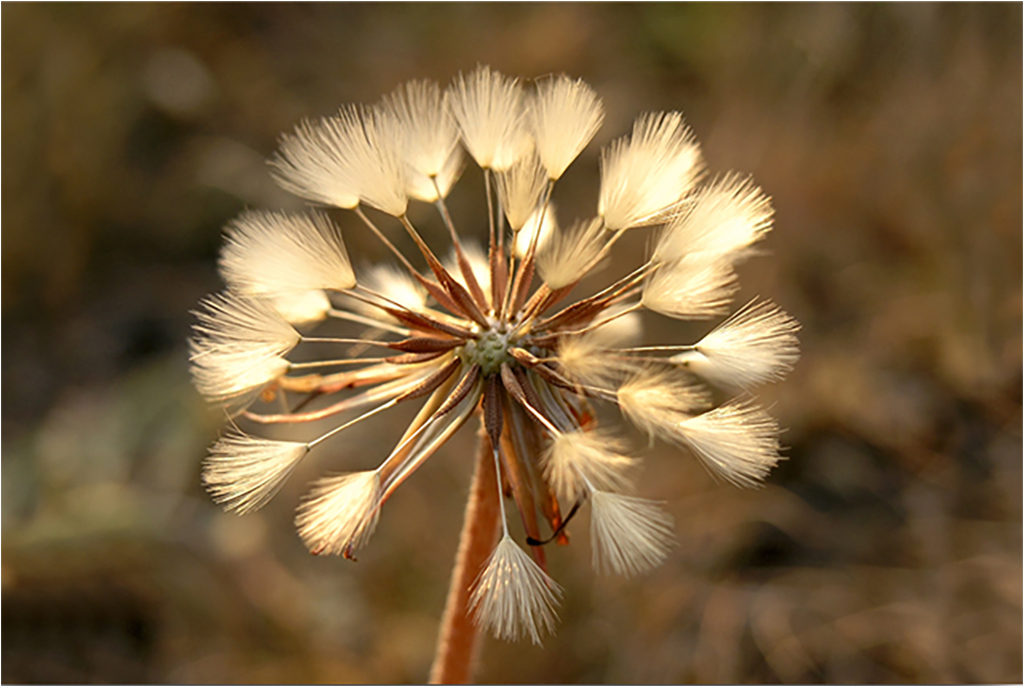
(494, 332)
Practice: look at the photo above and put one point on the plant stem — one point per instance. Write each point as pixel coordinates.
(457, 640)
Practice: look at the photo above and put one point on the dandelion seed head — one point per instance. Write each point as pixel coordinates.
(518, 332)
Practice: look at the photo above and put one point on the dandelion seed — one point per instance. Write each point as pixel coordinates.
(756, 345)
(589, 360)
(244, 472)
(489, 110)
(239, 347)
(564, 115)
(340, 513)
(567, 255)
(543, 223)
(430, 189)
(288, 259)
(576, 459)
(629, 535)
(429, 133)
(346, 159)
(694, 288)
(645, 177)
(393, 284)
(302, 308)
(429, 139)
(723, 218)
(312, 163)
(514, 598)
(657, 402)
(738, 442)
(617, 328)
(520, 188)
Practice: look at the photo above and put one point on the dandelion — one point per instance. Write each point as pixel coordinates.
(502, 332)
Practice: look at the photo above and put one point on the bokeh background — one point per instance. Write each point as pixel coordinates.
(886, 549)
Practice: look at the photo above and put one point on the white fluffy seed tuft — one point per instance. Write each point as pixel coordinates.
(564, 114)
(346, 159)
(429, 139)
(274, 254)
(545, 221)
(239, 347)
(629, 535)
(587, 359)
(340, 512)
(488, 107)
(395, 284)
(738, 442)
(513, 597)
(302, 307)
(577, 459)
(699, 286)
(520, 188)
(657, 402)
(311, 163)
(644, 177)
(430, 189)
(243, 472)
(429, 133)
(725, 218)
(569, 254)
(758, 344)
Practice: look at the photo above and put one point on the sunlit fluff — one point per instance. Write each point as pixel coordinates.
(513, 596)
(288, 259)
(493, 332)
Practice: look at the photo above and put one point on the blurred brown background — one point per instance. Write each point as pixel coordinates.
(888, 547)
